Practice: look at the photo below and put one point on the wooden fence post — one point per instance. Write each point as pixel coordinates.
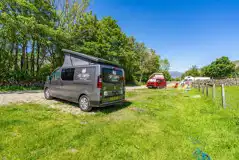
(223, 97)
(203, 89)
(199, 87)
(236, 79)
(207, 90)
(214, 91)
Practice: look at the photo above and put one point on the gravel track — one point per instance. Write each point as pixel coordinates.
(38, 97)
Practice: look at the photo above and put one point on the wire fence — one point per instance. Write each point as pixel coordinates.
(225, 96)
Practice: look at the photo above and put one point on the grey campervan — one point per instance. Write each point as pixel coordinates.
(87, 80)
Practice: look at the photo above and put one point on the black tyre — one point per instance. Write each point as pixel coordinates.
(84, 103)
(47, 94)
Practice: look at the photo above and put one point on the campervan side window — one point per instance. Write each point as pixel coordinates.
(67, 74)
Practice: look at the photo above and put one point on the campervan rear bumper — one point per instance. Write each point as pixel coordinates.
(105, 104)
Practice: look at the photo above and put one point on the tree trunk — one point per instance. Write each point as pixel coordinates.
(38, 56)
(32, 58)
(44, 53)
(23, 64)
(141, 77)
(10, 58)
(53, 59)
(27, 61)
(16, 57)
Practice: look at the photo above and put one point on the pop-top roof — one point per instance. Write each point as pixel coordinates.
(91, 58)
(157, 75)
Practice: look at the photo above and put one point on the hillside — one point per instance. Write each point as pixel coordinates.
(175, 74)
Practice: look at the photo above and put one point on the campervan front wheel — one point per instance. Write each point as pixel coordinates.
(84, 103)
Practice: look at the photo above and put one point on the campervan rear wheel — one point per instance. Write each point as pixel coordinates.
(47, 94)
(84, 104)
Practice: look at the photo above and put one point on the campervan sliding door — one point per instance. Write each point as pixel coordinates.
(67, 75)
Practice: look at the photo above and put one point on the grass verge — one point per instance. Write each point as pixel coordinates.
(157, 124)
(17, 88)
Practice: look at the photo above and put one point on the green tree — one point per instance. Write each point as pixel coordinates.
(193, 71)
(164, 65)
(220, 68)
(237, 69)
(33, 33)
(177, 79)
(24, 24)
(148, 62)
(167, 75)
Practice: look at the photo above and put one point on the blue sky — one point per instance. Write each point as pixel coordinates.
(187, 32)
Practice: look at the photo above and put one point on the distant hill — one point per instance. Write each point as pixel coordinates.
(175, 74)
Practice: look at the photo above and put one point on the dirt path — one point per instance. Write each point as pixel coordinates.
(34, 96)
(19, 97)
(38, 97)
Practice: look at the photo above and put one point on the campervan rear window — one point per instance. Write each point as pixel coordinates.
(111, 75)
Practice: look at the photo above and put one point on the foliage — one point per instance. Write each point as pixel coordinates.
(158, 124)
(236, 63)
(167, 75)
(164, 65)
(176, 79)
(220, 68)
(236, 74)
(33, 33)
(26, 25)
(149, 64)
(237, 69)
(45, 71)
(193, 71)
(18, 88)
(164, 68)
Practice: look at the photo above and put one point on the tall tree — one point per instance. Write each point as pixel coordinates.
(164, 65)
(220, 68)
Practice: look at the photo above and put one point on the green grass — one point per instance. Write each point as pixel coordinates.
(154, 124)
(231, 96)
(17, 88)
